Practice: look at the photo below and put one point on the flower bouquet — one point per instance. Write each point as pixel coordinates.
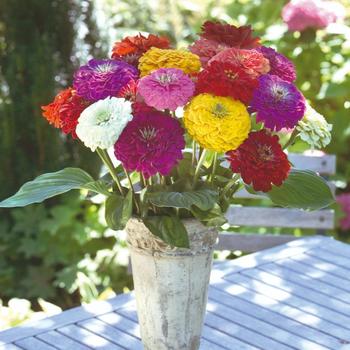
(180, 131)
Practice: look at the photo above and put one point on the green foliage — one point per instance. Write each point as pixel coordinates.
(168, 228)
(64, 253)
(52, 184)
(118, 210)
(302, 189)
(203, 198)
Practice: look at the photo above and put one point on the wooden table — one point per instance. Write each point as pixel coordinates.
(294, 296)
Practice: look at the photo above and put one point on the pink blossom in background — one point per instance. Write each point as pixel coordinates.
(302, 14)
(344, 201)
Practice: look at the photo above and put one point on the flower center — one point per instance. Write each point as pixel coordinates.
(102, 118)
(279, 92)
(265, 152)
(148, 133)
(219, 110)
(230, 74)
(104, 67)
(166, 78)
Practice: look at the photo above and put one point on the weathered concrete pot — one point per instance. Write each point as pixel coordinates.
(171, 285)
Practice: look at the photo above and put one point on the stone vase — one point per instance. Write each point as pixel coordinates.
(171, 285)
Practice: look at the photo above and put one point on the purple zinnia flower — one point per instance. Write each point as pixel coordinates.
(280, 65)
(278, 103)
(166, 88)
(150, 144)
(103, 78)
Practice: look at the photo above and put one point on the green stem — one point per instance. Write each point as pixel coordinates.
(194, 149)
(132, 190)
(292, 138)
(108, 163)
(214, 165)
(199, 164)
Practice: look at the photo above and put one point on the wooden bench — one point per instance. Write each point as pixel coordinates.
(271, 217)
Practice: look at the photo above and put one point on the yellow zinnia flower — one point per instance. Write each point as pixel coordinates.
(217, 123)
(156, 58)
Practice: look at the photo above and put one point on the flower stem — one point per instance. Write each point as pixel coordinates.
(292, 138)
(214, 165)
(194, 150)
(199, 164)
(132, 190)
(108, 163)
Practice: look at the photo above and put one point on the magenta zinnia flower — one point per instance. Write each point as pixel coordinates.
(302, 14)
(279, 64)
(278, 103)
(150, 144)
(166, 88)
(103, 78)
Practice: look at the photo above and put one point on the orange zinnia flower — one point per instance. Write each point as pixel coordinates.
(131, 48)
(52, 111)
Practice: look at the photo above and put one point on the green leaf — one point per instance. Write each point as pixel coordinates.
(204, 199)
(118, 211)
(212, 217)
(168, 228)
(98, 186)
(49, 185)
(302, 189)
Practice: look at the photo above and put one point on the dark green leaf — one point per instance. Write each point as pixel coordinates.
(98, 186)
(118, 211)
(302, 189)
(204, 199)
(212, 217)
(168, 228)
(48, 185)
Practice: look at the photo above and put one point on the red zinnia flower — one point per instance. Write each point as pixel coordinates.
(261, 161)
(131, 48)
(129, 91)
(226, 79)
(65, 110)
(217, 36)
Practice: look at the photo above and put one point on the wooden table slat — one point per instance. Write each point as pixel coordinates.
(33, 343)
(300, 332)
(112, 334)
(305, 293)
(60, 341)
(317, 284)
(88, 338)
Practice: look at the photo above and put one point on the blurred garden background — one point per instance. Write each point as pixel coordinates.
(60, 253)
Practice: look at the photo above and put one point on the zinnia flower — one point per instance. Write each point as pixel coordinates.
(101, 124)
(65, 110)
(51, 111)
(156, 58)
(131, 48)
(129, 91)
(314, 129)
(102, 78)
(261, 161)
(302, 14)
(217, 36)
(344, 201)
(278, 103)
(279, 65)
(151, 144)
(217, 123)
(166, 88)
(234, 73)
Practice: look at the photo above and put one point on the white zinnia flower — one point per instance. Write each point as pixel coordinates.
(101, 124)
(314, 129)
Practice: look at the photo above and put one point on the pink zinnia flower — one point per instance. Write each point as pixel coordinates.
(344, 201)
(150, 144)
(166, 88)
(302, 14)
